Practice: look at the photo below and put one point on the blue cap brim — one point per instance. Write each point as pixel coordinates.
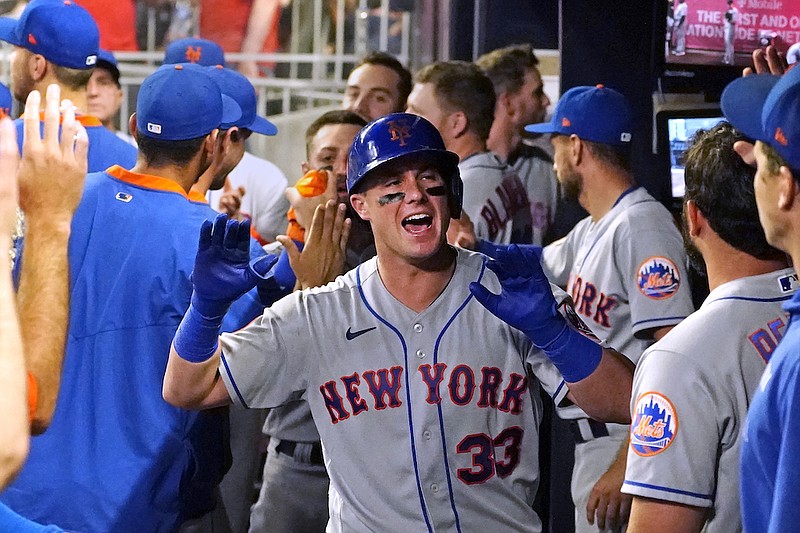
(543, 127)
(231, 112)
(263, 126)
(8, 31)
(742, 103)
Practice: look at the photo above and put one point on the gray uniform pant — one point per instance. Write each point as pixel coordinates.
(293, 497)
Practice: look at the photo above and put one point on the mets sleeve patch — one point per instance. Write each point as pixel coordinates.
(654, 425)
(658, 278)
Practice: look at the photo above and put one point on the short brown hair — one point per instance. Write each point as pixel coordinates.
(461, 86)
(506, 67)
(72, 78)
(389, 61)
(337, 116)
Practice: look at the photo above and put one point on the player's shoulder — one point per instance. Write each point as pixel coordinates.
(641, 212)
(478, 165)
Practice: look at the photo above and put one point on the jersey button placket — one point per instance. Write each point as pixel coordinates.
(418, 329)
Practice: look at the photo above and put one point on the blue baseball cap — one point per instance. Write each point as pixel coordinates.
(766, 108)
(596, 114)
(180, 102)
(194, 50)
(241, 90)
(106, 60)
(60, 30)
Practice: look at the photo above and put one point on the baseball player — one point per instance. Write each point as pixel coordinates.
(259, 182)
(194, 50)
(764, 108)
(624, 267)
(378, 85)
(104, 95)
(58, 42)
(294, 488)
(692, 388)
(521, 100)
(129, 279)
(679, 27)
(731, 19)
(48, 165)
(419, 394)
(457, 98)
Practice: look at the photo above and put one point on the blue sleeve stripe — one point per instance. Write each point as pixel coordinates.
(669, 489)
(233, 382)
(668, 319)
(558, 390)
(750, 299)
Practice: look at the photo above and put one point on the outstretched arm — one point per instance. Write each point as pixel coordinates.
(51, 177)
(599, 378)
(14, 421)
(222, 273)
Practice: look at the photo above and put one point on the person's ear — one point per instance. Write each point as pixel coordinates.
(787, 189)
(359, 204)
(37, 67)
(458, 124)
(576, 149)
(694, 218)
(132, 125)
(503, 104)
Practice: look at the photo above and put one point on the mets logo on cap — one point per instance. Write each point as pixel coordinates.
(658, 278)
(654, 425)
(399, 130)
(194, 53)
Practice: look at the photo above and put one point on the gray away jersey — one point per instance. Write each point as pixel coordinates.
(626, 272)
(539, 181)
(691, 392)
(426, 419)
(495, 200)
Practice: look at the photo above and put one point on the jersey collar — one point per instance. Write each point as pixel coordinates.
(146, 181)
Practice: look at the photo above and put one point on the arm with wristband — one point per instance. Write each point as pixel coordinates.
(222, 273)
(599, 379)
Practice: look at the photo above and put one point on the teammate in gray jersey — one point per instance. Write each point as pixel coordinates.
(624, 268)
(416, 374)
(692, 389)
(521, 100)
(457, 98)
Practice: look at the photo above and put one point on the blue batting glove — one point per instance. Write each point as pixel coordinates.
(222, 273)
(222, 270)
(526, 302)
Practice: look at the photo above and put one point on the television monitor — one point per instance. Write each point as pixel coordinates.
(675, 130)
(701, 65)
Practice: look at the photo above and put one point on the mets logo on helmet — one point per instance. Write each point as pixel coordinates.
(399, 131)
(658, 278)
(654, 425)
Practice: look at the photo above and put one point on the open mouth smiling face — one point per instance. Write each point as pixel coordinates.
(417, 224)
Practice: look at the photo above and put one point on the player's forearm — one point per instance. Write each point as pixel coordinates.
(659, 516)
(605, 394)
(193, 385)
(43, 299)
(14, 426)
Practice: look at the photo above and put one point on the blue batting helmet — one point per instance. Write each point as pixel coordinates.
(401, 135)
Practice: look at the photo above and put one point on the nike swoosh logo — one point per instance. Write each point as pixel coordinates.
(350, 335)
